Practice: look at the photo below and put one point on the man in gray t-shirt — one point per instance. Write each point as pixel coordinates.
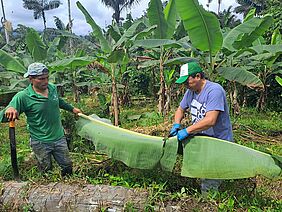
(209, 110)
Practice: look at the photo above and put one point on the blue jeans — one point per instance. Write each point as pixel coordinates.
(59, 149)
(210, 184)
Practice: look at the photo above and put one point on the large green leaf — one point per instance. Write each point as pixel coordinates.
(153, 43)
(274, 49)
(203, 157)
(180, 60)
(250, 15)
(276, 37)
(149, 63)
(202, 26)
(35, 45)
(144, 33)
(170, 17)
(71, 63)
(134, 149)
(96, 29)
(279, 80)
(206, 157)
(156, 17)
(116, 56)
(248, 39)
(10, 63)
(53, 48)
(241, 76)
(130, 32)
(114, 32)
(246, 33)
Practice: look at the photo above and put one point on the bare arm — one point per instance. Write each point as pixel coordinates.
(179, 114)
(205, 123)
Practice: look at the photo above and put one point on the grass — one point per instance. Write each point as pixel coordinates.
(261, 131)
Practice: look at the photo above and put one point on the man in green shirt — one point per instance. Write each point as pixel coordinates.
(41, 104)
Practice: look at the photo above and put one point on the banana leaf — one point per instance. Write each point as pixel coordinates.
(35, 45)
(10, 63)
(170, 17)
(203, 157)
(201, 25)
(157, 17)
(96, 29)
(241, 75)
(136, 150)
(207, 157)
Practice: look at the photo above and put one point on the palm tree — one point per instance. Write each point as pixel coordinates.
(227, 19)
(245, 6)
(118, 6)
(40, 6)
(219, 4)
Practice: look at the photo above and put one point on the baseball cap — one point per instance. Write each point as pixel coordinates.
(36, 69)
(188, 70)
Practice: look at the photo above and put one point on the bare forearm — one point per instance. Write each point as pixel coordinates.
(179, 114)
(199, 126)
(205, 123)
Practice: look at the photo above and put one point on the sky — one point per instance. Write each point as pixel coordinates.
(16, 14)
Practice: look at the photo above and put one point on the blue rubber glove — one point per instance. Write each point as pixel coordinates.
(174, 129)
(182, 134)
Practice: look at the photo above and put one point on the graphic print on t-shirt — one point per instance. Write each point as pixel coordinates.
(198, 111)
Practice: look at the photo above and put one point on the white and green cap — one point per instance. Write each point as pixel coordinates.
(36, 69)
(188, 70)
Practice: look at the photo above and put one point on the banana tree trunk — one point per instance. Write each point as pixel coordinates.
(64, 197)
(115, 98)
(162, 85)
(161, 91)
(233, 93)
(75, 89)
(168, 100)
(263, 93)
(70, 27)
(262, 100)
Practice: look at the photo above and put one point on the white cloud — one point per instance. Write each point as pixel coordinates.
(102, 15)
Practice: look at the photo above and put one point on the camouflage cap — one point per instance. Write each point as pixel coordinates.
(36, 69)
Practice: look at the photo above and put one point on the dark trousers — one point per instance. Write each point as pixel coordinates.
(58, 149)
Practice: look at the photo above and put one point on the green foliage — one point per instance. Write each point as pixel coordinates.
(10, 63)
(156, 17)
(163, 187)
(202, 26)
(36, 47)
(139, 83)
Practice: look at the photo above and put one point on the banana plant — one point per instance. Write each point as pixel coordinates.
(203, 29)
(164, 49)
(72, 66)
(114, 54)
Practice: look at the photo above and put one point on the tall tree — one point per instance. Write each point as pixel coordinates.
(246, 5)
(40, 6)
(4, 22)
(228, 19)
(118, 6)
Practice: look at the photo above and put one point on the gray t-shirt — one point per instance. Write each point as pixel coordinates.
(212, 97)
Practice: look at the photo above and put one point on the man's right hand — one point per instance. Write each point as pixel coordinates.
(11, 114)
(174, 129)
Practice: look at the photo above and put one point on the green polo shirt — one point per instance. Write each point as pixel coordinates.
(43, 114)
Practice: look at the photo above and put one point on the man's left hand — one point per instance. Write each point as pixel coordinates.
(182, 134)
(76, 110)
